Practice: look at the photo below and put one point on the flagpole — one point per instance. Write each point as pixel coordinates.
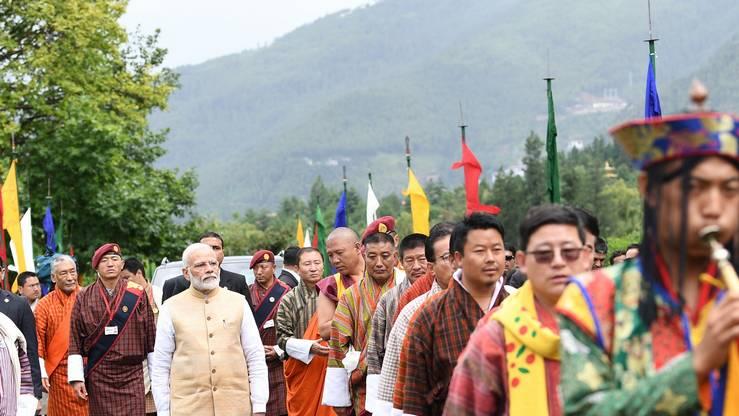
(346, 196)
(651, 40)
(408, 151)
(462, 126)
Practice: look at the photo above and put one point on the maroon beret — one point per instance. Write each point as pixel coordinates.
(103, 250)
(261, 256)
(384, 225)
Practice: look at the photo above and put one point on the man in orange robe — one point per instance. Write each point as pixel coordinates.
(298, 335)
(53, 314)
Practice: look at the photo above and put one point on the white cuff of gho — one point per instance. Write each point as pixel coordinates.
(75, 368)
(42, 365)
(373, 383)
(336, 388)
(299, 349)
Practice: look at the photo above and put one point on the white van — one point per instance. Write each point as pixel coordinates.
(236, 264)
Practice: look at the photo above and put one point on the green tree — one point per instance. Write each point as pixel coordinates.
(534, 171)
(76, 92)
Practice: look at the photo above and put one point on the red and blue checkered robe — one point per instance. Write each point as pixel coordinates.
(116, 386)
(435, 340)
(277, 404)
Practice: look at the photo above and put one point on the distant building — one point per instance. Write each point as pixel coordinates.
(609, 102)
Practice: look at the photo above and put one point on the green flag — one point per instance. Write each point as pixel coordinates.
(319, 239)
(552, 162)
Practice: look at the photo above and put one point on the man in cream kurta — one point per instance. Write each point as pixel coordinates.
(208, 357)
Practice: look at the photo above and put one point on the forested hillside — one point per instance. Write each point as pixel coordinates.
(261, 125)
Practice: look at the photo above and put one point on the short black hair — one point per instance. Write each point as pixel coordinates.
(290, 256)
(616, 254)
(548, 214)
(23, 277)
(601, 245)
(633, 245)
(437, 232)
(589, 221)
(305, 250)
(209, 234)
(475, 221)
(516, 278)
(510, 247)
(133, 265)
(378, 238)
(412, 241)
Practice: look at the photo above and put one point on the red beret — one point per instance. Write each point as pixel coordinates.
(384, 225)
(103, 250)
(261, 256)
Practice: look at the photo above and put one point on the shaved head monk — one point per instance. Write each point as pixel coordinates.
(344, 252)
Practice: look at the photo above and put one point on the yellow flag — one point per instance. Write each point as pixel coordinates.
(419, 205)
(299, 235)
(12, 219)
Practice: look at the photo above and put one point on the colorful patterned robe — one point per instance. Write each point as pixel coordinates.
(351, 328)
(611, 362)
(49, 318)
(116, 386)
(437, 337)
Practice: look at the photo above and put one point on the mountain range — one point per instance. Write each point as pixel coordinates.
(260, 125)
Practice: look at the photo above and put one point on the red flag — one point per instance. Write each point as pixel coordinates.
(314, 243)
(472, 171)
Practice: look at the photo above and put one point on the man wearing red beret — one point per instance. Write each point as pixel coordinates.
(112, 325)
(266, 293)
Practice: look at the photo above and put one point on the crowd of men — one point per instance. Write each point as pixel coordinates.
(457, 322)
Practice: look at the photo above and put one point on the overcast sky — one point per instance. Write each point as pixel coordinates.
(197, 30)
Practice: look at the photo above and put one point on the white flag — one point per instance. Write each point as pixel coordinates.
(372, 204)
(27, 240)
(308, 242)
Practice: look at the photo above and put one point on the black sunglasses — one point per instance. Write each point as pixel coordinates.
(509, 258)
(546, 256)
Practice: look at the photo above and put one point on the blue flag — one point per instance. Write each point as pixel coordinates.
(340, 218)
(49, 230)
(651, 104)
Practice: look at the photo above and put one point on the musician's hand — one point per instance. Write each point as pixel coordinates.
(318, 349)
(269, 353)
(722, 329)
(80, 389)
(45, 384)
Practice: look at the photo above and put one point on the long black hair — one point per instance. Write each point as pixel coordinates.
(658, 176)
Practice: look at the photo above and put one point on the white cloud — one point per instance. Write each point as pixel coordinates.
(196, 30)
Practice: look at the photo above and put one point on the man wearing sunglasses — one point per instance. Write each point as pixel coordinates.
(657, 334)
(511, 364)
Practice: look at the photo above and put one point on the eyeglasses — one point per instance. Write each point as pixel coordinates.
(446, 257)
(203, 264)
(569, 255)
(509, 258)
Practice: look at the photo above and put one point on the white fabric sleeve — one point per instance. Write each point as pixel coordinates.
(370, 403)
(336, 388)
(26, 405)
(42, 365)
(160, 361)
(75, 368)
(255, 360)
(279, 351)
(299, 349)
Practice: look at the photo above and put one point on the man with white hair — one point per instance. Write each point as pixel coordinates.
(197, 368)
(53, 318)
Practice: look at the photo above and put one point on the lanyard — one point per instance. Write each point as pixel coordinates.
(107, 303)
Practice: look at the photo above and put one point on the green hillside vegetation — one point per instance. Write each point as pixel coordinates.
(260, 126)
(614, 199)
